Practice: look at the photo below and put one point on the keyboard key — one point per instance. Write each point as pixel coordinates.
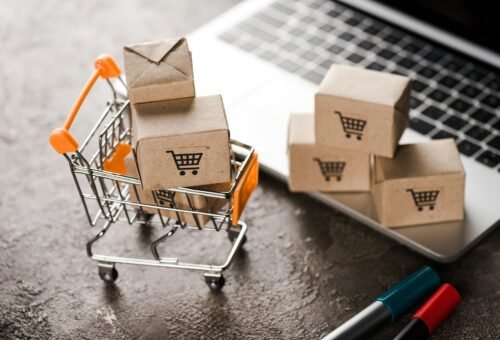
(438, 95)
(492, 101)
(307, 19)
(353, 21)
(346, 36)
(355, 58)
(376, 66)
(315, 40)
(420, 126)
(327, 28)
(386, 54)
(267, 55)
(433, 112)
(373, 29)
(290, 46)
(313, 76)
(326, 63)
(495, 143)
(427, 72)
(258, 32)
(478, 133)
(391, 38)
(455, 65)
(460, 105)
(412, 47)
(468, 148)
(289, 65)
(482, 115)
(434, 56)
(297, 32)
(367, 45)
(494, 84)
(229, 36)
(488, 158)
(449, 81)
(407, 62)
(415, 102)
(476, 74)
(333, 13)
(271, 20)
(443, 135)
(455, 122)
(282, 8)
(309, 55)
(336, 49)
(418, 86)
(470, 91)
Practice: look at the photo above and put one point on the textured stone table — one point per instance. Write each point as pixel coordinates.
(305, 267)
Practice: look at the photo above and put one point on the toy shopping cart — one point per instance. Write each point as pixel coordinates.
(352, 126)
(331, 169)
(186, 161)
(424, 198)
(105, 190)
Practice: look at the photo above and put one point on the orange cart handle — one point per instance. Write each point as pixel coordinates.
(60, 139)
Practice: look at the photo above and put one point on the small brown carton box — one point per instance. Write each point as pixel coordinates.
(164, 198)
(181, 142)
(314, 167)
(362, 110)
(159, 70)
(423, 183)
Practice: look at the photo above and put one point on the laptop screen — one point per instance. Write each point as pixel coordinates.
(475, 20)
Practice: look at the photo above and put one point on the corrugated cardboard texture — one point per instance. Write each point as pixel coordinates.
(182, 142)
(180, 200)
(323, 168)
(424, 183)
(159, 70)
(362, 110)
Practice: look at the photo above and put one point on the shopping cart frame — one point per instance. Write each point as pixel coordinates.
(325, 171)
(346, 125)
(110, 190)
(421, 204)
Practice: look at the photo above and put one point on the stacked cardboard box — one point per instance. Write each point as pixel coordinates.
(179, 140)
(353, 145)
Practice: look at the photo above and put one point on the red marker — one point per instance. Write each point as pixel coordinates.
(434, 311)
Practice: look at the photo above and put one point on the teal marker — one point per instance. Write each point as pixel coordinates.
(389, 306)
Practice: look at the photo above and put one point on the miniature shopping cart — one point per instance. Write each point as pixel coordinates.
(424, 198)
(187, 161)
(331, 169)
(352, 126)
(105, 191)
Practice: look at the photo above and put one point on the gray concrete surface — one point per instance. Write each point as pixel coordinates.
(305, 267)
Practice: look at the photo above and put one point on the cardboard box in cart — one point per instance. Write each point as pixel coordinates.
(181, 142)
(165, 198)
(424, 183)
(159, 70)
(362, 110)
(314, 167)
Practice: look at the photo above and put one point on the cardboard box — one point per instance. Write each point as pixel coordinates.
(362, 110)
(314, 167)
(181, 142)
(424, 183)
(169, 199)
(159, 70)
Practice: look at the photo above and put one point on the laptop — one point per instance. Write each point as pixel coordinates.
(267, 58)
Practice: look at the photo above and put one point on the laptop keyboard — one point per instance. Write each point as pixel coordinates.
(452, 97)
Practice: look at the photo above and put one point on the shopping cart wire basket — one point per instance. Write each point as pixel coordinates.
(352, 126)
(105, 191)
(187, 161)
(424, 198)
(331, 169)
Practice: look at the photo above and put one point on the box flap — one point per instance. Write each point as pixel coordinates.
(417, 160)
(301, 129)
(155, 51)
(364, 85)
(178, 117)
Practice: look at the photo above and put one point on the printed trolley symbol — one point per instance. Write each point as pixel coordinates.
(424, 198)
(187, 161)
(106, 192)
(331, 169)
(352, 126)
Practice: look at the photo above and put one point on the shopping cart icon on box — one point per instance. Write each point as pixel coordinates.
(352, 126)
(165, 197)
(331, 169)
(424, 199)
(187, 161)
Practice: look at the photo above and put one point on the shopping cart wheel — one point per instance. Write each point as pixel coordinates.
(359, 137)
(431, 207)
(339, 178)
(420, 208)
(195, 172)
(348, 135)
(107, 272)
(182, 173)
(327, 179)
(215, 281)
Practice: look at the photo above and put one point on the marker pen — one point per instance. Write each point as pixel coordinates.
(435, 310)
(389, 306)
